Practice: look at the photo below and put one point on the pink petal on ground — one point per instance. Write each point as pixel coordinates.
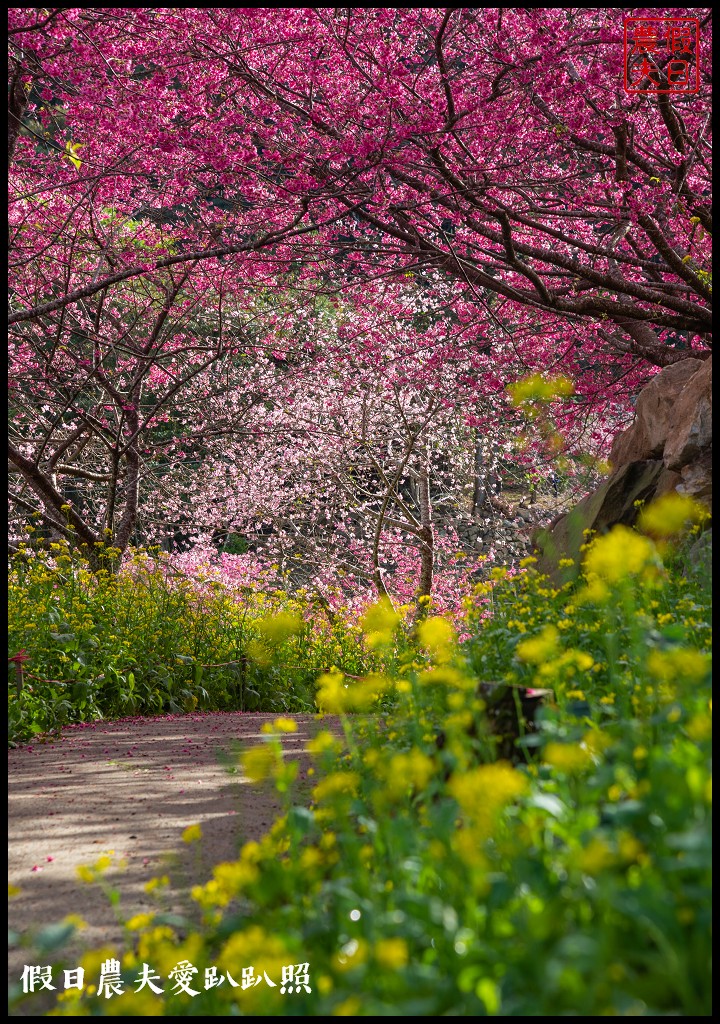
(36, 867)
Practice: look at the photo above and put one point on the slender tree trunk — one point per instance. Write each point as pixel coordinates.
(129, 516)
(376, 570)
(427, 539)
(131, 489)
(480, 493)
(59, 515)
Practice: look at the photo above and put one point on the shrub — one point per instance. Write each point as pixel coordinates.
(143, 641)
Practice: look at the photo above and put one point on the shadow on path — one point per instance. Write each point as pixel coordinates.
(130, 787)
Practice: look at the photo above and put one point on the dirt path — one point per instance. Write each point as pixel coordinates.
(132, 787)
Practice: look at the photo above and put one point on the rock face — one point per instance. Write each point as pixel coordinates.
(654, 414)
(668, 447)
(689, 436)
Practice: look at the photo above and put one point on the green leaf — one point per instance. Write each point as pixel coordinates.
(54, 936)
(547, 802)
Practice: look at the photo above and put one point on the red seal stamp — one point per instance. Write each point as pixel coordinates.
(662, 55)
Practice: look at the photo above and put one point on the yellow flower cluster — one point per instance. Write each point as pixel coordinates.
(670, 515)
(482, 792)
(379, 623)
(538, 649)
(280, 725)
(392, 954)
(404, 772)
(537, 388)
(437, 634)
(260, 763)
(322, 742)
(280, 627)
(336, 785)
(620, 553)
(568, 757)
(678, 665)
(336, 696)
(192, 834)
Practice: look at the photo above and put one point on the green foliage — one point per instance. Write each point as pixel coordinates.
(428, 878)
(105, 645)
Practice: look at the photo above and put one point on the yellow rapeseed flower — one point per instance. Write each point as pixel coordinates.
(258, 763)
(436, 633)
(280, 627)
(156, 883)
(391, 953)
(596, 741)
(279, 725)
(192, 834)
(540, 648)
(482, 792)
(233, 877)
(139, 921)
(443, 675)
(338, 784)
(683, 664)
(622, 552)
(567, 757)
(596, 856)
(671, 514)
(699, 728)
(322, 742)
(630, 848)
(408, 769)
(336, 696)
(310, 858)
(379, 623)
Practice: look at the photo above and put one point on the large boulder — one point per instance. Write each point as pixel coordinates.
(690, 432)
(655, 411)
(696, 479)
(613, 502)
(668, 447)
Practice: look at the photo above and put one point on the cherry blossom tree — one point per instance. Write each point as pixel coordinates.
(168, 167)
(496, 148)
(359, 470)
